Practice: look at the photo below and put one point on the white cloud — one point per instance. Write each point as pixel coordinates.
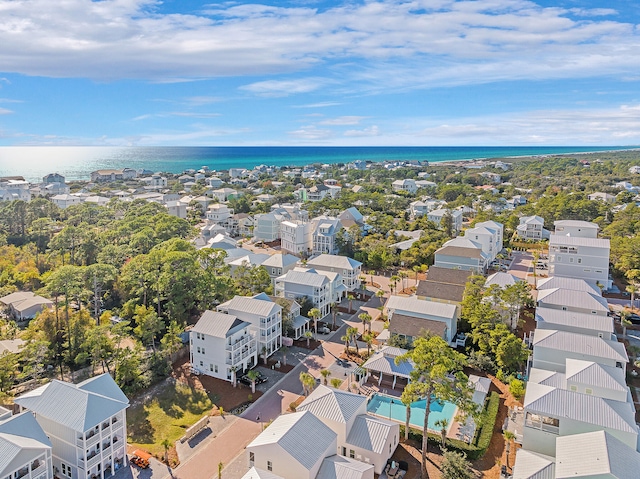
(343, 120)
(420, 44)
(281, 88)
(311, 133)
(4, 111)
(323, 104)
(370, 131)
(186, 114)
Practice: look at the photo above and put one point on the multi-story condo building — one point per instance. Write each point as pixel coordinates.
(348, 268)
(265, 318)
(25, 450)
(296, 237)
(580, 257)
(489, 235)
(86, 424)
(325, 232)
(314, 286)
(532, 228)
(221, 345)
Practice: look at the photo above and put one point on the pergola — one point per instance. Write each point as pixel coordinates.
(383, 362)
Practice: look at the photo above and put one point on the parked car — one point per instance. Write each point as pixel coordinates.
(245, 380)
(324, 330)
(634, 318)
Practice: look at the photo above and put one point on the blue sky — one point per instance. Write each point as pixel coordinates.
(305, 72)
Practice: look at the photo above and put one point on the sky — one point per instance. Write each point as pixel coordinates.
(305, 72)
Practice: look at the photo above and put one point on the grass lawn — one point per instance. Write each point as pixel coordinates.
(166, 415)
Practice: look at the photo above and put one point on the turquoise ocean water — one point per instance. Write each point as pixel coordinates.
(77, 162)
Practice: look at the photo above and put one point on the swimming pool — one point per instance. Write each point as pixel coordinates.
(392, 408)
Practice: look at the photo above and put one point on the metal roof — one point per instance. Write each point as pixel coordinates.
(565, 240)
(305, 278)
(574, 284)
(244, 304)
(280, 260)
(573, 299)
(560, 403)
(579, 343)
(370, 433)
(463, 252)
(72, 405)
(333, 404)
(547, 378)
(104, 385)
(217, 324)
(302, 435)
(531, 465)
(255, 473)
(588, 372)
(575, 224)
(501, 279)
(334, 261)
(385, 364)
(16, 297)
(594, 322)
(421, 307)
(595, 454)
(340, 467)
(22, 440)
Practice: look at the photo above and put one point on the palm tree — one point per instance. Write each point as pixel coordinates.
(335, 383)
(416, 270)
(353, 334)
(394, 280)
(325, 373)
(308, 335)
(508, 437)
(334, 313)
(442, 424)
(365, 318)
(308, 382)
(632, 289)
(407, 398)
(624, 321)
(350, 297)
(347, 339)
(166, 444)
(253, 375)
(403, 275)
(284, 350)
(371, 273)
(234, 377)
(368, 338)
(315, 314)
(220, 468)
(264, 355)
(379, 294)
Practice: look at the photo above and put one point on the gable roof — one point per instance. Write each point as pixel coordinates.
(333, 404)
(501, 279)
(16, 297)
(579, 344)
(280, 260)
(574, 284)
(334, 261)
(255, 473)
(21, 440)
(448, 275)
(218, 325)
(566, 240)
(307, 278)
(560, 403)
(573, 299)
(589, 372)
(302, 435)
(74, 406)
(531, 465)
(248, 305)
(370, 433)
(594, 322)
(414, 326)
(474, 253)
(340, 467)
(384, 361)
(595, 454)
(420, 307)
(104, 385)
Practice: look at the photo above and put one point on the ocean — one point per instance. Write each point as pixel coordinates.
(77, 162)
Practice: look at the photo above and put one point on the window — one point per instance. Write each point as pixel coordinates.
(344, 451)
(198, 349)
(573, 388)
(201, 363)
(588, 391)
(66, 469)
(252, 458)
(579, 260)
(215, 368)
(202, 350)
(210, 367)
(269, 466)
(352, 454)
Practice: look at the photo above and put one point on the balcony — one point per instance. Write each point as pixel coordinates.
(92, 438)
(41, 469)
(238, 343)
(22, 472)
(546, 424)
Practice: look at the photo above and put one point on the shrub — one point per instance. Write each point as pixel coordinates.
(293, 406)
(456, 466)
(481, 362)
(516, 388)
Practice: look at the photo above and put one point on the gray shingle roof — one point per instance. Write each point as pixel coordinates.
(370, 433)
(301, 434)
(71, 405)
(333, 404)
(448, 275)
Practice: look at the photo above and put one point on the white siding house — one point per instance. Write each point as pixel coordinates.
(324, 236)
(580, 257)
(221, 345)
(314, 286)
(25, 450)
(296, 237)
(436, 217)
(85, 422)
(532, 228)
(407, 316)
(348, 268)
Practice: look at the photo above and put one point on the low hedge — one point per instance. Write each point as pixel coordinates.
(480, 444)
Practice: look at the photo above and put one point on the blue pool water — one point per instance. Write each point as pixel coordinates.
(392, 408)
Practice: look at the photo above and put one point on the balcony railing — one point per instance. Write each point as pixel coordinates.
(238, 343)
(541, 425)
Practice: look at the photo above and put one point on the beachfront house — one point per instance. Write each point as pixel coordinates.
(265, 317)
(368, 439)
(222, 345)
(86, 424)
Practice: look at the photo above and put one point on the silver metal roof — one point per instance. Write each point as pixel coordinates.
(531, 465)
(588, 372)
(421, 307)
(384, 363)
(217, 324)
(564, 240)
(560, 403)
(280, 260)
(573, 299)
(333, 404)
(74, 406)
(370, 433)
(334, 261)
(340, 467)
(594, 322)
(302, 435)
(244, 304)
(592, 346)
(305, 278)
(595, 454)
(255, 473)
(22, 440)
(574, 284)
